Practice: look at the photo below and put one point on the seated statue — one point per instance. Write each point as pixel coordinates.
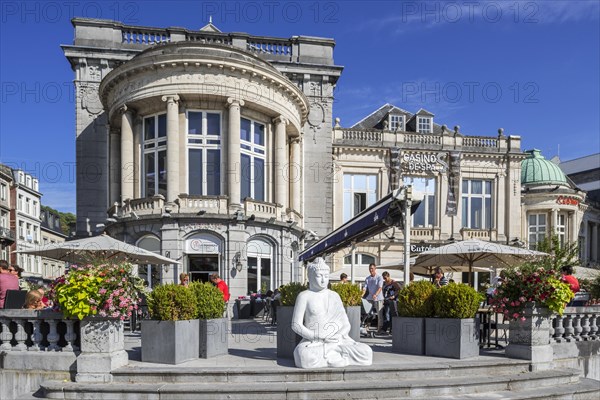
(321, 320)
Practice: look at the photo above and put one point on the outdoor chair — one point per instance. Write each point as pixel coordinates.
(15, 299)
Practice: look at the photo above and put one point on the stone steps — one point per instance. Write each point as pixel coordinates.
(321, 385)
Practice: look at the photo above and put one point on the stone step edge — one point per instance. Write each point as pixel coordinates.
(314, 375)
(584, 386)
(278, 370)
(539, 378)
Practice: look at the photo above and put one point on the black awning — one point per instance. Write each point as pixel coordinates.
(387, 212)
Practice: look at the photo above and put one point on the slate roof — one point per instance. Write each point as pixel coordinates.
(376, 118)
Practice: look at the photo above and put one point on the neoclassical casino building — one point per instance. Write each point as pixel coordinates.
(220, 150)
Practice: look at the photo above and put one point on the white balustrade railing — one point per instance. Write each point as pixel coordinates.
(37, 331)
(575, 325)
(145, 37)
(367, 136)
(274, 47)
(486, 142)
(421, 139)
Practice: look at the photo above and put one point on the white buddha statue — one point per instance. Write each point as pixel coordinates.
(321, 320)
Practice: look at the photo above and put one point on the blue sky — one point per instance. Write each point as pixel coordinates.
(530, 67)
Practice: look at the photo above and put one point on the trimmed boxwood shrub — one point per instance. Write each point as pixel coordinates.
(210, 300)
(416, 300)
(456, 300)
(290, 291)
(172, 303)
(351, 294)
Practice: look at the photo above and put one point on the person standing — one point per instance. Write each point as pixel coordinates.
(390, 298)
(568, 278)
(221, 285)
(343, 278)
(8, 281)
(374, 288)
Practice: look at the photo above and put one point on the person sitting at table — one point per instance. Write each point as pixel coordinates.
(33, 300)
(438, 279)
(320, 318)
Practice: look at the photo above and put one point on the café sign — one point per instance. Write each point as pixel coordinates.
(423, 162)
(567, 201)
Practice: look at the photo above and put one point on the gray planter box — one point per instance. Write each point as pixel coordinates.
(530, 339)
(452, 337)
(353, 313)
(213, 337)
(408, 335)
(287, 339)
(170, 342)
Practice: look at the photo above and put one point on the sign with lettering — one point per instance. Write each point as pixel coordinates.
(419, 248)
(567, 201)
(422, 162)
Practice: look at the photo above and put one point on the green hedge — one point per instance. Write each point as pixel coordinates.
(172, 303)
(290, 291)
(416, 300)
(456, 300)
(210, 300)
(351, 294)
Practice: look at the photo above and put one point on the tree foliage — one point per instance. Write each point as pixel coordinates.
(65, 219)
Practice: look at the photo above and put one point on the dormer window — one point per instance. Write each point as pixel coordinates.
(424, 125)
(396, 122)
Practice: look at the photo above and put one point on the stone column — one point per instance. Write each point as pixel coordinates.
(172, 147)
(595, 243)
(280, 161)
(555, 221)
(126, 153)
(233, 154)
(138, 131)
(114, 166)
(295, 175)
(102, 349)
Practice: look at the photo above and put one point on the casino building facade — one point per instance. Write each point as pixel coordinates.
(219, 150)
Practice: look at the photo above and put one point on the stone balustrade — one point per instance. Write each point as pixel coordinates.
(144, 206)
(424, 233)
(190, 204)
(481, 234)
(575, 325)
(260, 209)
(276, 47)
(411, 140)
(144, 36)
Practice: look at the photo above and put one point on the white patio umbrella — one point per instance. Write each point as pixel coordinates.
(474, 253)
(97, 247)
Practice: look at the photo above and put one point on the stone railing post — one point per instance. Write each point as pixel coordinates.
(530, 339)
(102, 349)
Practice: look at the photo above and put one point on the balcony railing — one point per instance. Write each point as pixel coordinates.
(577, 324)
(190, 204)
(481, 234)
(7, 235)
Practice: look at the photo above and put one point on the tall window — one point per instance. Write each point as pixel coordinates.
(27, 207)
(3, 191)
(21, 230)
(425, 188)
(477, 204)
(252, 138)
(537, 229)
(35, 209)
(424, 124)
(260, 254)
(561, 229)
(204, 153)
(155, 155)
(396, 122)
(3, 219)
(360, 191)
(20, 203)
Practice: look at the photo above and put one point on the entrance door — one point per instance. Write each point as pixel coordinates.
(201, 266)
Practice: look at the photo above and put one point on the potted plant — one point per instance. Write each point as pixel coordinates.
(172, 335)
(415, 303)
(527, 297)
(454, 332)
(213, 339)
(287, 339)
(351, 296)
(101, 296)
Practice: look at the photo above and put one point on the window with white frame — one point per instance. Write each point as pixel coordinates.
(424, 188)
(21, 230)
(360, 191)
(35, 209)
(360, 260)
(4, 254)
(27, 205)
(204, 153)
(35, 234)
(28, 232)
(28, 181)
(396, 122)
(3, 219)
(260, 266)
(20, 202)
(155, 155)
(252, 142)
(536, 229)
(424, 125)
(35, 185)
(561, 229)
(3, 191)
(476, 204)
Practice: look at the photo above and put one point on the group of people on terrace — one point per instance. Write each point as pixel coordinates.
(10, 277)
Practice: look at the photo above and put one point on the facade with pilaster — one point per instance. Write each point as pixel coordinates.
(195, 144)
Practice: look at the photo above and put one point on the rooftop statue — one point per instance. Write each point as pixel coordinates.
(320, 318)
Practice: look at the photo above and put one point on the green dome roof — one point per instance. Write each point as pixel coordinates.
(536, 170)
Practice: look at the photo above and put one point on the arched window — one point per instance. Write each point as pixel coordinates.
(260, 266)
(150, 273)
